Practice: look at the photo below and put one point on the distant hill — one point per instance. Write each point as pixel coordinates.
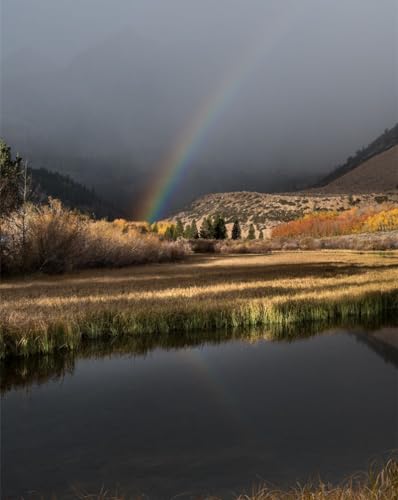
(379, 173)
(372, 169)
(46, 183)
(266, 211)
(370, 177)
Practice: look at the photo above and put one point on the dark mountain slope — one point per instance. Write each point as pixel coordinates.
(72, 194)
(387, 140)
(376, 175)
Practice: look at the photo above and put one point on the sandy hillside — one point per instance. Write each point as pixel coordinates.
(374, 182)
(266, 211)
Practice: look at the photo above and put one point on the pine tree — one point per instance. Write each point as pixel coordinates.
(194, 230)
(207, 229)
(187, 232)
(179, 229)
(11, 188)
(155, 228)
(261, 235)
(11, 181)
(220, 229)
(252, 233)
(170, 233)
(236, 230)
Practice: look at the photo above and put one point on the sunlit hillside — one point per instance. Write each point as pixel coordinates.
(266, 211)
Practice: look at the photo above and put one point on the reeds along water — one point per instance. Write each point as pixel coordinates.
(23, 371)
(281, 318)
(206, 294)
(379, 483)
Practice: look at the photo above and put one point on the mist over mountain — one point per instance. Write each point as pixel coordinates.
(105, 92)
(388, 140)
(44, 184)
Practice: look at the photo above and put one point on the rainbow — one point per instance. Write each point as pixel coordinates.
(173, 166)
(216, 388)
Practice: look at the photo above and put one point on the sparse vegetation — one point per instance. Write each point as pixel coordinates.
(267, 211)
(204, 293)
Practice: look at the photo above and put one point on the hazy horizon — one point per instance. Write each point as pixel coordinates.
(180, 98)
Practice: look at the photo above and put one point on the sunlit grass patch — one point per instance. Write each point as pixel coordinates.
(41, 315)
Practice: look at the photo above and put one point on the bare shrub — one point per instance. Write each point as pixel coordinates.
(362, 242)
(58, 240)
(290, 245)
(309, 243)
(204, 246)
(244, 246)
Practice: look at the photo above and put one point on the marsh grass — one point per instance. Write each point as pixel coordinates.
(379, 483)
(24, 371)
(203, 294)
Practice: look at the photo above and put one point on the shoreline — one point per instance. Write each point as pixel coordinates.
(41, 315)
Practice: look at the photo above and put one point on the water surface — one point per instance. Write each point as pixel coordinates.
(195, 420)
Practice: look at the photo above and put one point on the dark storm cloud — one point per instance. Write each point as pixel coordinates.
(104, 89)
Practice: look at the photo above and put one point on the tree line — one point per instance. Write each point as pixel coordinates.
(212, 228)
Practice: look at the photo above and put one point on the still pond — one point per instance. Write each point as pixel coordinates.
(190, 420)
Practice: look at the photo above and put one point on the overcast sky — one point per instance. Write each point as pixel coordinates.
(292, 87)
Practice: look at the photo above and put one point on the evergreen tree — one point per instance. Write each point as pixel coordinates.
(207, 229)
(179, 229)
(12, 188)
(187, 232)
(236, 230)
(211, 226)
(252, 233)
(220, 229)
(155, 228)
(11, 181)
(170, 233)
(194, 230)
(261, 235)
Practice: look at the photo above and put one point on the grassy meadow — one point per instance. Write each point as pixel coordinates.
(43, 314)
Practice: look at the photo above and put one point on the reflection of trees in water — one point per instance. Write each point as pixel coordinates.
(385, 347)
(17, 372)
(23, 372)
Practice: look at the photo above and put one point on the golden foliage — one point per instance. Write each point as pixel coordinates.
(324, 224)
(386, 220)
(55, 239)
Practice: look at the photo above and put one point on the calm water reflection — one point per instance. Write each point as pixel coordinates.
(211, 418)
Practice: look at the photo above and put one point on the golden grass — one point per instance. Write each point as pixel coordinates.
(42, 314)
(377, 484)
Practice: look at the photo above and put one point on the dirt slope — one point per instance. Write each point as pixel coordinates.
(377, 174)
(373, 182)
(266, 211)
